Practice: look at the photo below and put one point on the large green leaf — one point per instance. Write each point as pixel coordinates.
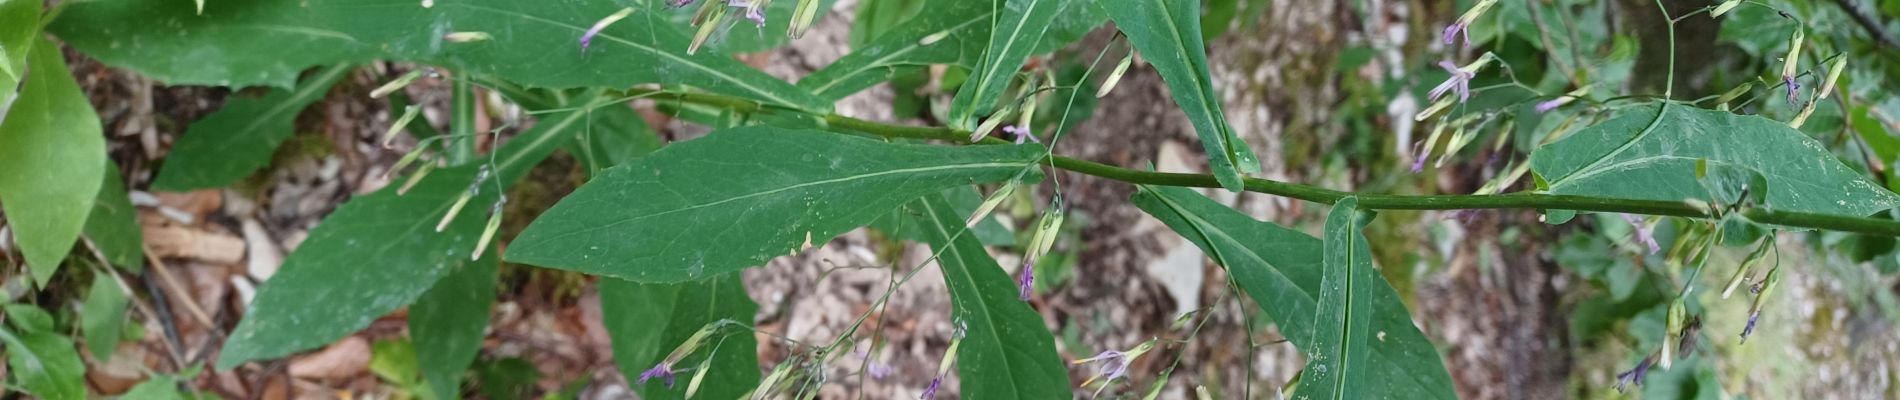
(113, 225)
(534, 43)
(741, 196)
(379, 252)
(1016, 27)
(103, 316)
(647, 321)
(1650, 153)
(1007, 352)
(19, 23)
(40, 360)
(448, 323)
(54, 155)
(1337, 362)
(240, 138)
(1168, 35)
(1282, 270)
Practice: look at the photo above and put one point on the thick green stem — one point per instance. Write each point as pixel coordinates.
(1522, 200)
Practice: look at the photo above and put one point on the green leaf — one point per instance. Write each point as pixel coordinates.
(44, 363)
(113, 225)
(19, 24)
(1281, 269)
(534, 43)
(240, 138)
(1007, 352)
(55, 154)
(29, 318)
(1168, 35)
(103, 318)
(648, 321)
(1016, 27)
(744, 36)
(1650, 153)
(448, 323)
(156, 388)
(394, 360)
(958, 30)
(1337, 362)
(741, 196)
(378, 253)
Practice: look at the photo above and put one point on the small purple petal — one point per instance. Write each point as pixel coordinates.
(1643, 233)
(1794, 88)
(930, 392)
(1552, 104)
(1026, 284)
(678, 3)
(1750, 328)
(879, 370)
(1633, 375)
(1419, 163)
(662, 370)
(1452, 31)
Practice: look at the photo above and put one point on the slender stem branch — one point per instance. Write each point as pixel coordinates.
(1521, 200)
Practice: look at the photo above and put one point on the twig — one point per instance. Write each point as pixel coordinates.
(179, 290)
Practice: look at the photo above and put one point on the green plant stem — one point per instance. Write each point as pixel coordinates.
(1521, 200)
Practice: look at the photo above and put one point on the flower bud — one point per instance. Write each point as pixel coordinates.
(454, 209)
(408, 114)
(699, 375)
(802, 19)
(1673, 333)
(1793, 61)
(714, 15)
(416, 178)
(466, 37)
(1833, 75)
(1115, 76)
(1724, 8)
(396, 84)
(1741, 272)
(989, 204)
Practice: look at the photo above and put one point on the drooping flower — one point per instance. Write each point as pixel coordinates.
(930, 392)
(1750, 328)
(1027, 283)
(754, 10)
(1461, 27)
(1644, 233)
(1459, 81)
(663, 370)
(678, 3)
(1634, 375)
(1794, 89)
(1022, 134)
(1560, 101)
(588, 37)
(1112, 364)
(1790, 64)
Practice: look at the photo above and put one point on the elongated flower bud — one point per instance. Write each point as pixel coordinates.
(1732, 94)
(1741, 272)
(408, 114)
(488, 231)
(1115, 77)
(396, 84)
(1792, 62)
(699, 375)
(716, 15)
(1673, 333)
(802, 19)
(1761, 297)
(465, 37)
(1802, 118)
(990, 124)
(454, 209)
(404, 162)
(989, 204)
(1833, 75)
(1724, 8)
(588, 37)
(415, 178)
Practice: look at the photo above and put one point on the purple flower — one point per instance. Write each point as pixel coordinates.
(1643, 233)
(1027, 283)
(1750, 328)
(678, 3)
(1455, 30)
(879, 370)
(588, 37)
(930, 392)
(1460, 81)
(1021, 134)
(663, 370)
(1793, 89)
(1109, 366)
(753, 11)
(1552, 104)
(1634, 375)
(1419, 163)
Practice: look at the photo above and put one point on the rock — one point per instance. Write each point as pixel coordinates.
(343, 359)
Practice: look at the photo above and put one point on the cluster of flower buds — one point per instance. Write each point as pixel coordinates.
(1762, 290)
(664, 369)
(1023, 110)
(1748, 265)
(1040, 243)
(1460, 137)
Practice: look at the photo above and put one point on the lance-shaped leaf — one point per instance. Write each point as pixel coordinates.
(741, 196)
(448, 322)
(1016, 27)
(55, 159)
(40, 360)
(1650, 153)
(647, 321)
(113, 225)
(902, 223)
(1168, 35)
(1007, 352)
(240, 138)
(943, 32)
(1281, 270)
(533, 43)
(1336, 363)
(379, 252)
